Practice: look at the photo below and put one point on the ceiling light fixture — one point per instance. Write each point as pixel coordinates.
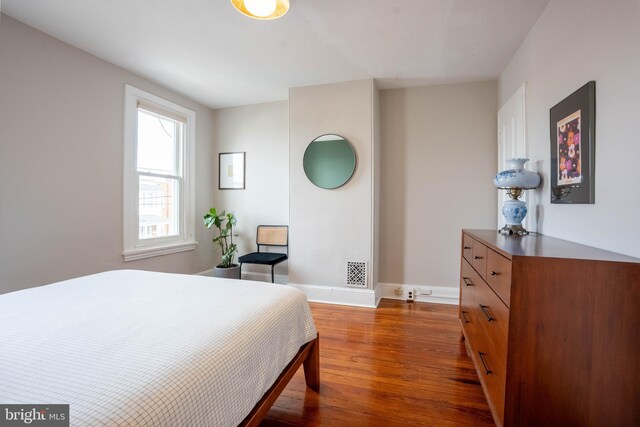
(262, 9)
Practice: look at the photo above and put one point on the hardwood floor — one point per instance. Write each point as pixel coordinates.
(400, 364)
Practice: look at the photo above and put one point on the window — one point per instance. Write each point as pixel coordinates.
(158, 176)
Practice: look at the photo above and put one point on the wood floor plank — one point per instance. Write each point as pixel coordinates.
(398, 365)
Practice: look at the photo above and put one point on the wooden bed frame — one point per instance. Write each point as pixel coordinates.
(309, 355)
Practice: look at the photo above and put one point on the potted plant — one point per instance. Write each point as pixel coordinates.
(224, 222)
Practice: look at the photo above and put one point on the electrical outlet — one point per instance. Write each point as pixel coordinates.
(411, 296)
(422, 292)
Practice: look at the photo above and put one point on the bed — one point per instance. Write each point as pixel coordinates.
(133, 347)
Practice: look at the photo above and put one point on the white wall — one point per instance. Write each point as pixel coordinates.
(61, 160)
(262, 131)
(439, 155)
(330, 226)
(575, 41)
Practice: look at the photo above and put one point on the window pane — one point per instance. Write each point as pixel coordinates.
(158, 210)
(157, 143)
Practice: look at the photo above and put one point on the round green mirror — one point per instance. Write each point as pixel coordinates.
(329, 161)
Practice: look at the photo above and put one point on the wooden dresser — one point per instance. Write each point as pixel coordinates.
(553, 328)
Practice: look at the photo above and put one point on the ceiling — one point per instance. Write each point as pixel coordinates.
(208, 51)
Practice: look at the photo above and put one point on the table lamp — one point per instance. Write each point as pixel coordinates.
(515, 180)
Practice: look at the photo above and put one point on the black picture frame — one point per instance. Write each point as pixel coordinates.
(573, 147)
(229, 177)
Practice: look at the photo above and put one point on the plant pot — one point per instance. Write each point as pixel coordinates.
(232, 272)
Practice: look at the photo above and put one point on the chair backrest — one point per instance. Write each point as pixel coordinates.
(272, 235)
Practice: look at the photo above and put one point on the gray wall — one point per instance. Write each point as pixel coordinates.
(262, 131)
(601, 42)
(377, 179)
(61, 170)
(426, 135)
(438, 160)
(61, 160)
(330, 226)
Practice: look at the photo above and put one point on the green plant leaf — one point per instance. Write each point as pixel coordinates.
(208, 220)
(224, 222)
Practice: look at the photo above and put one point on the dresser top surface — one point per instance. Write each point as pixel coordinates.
(538, 245)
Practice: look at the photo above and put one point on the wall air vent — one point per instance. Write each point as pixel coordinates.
(357, 274)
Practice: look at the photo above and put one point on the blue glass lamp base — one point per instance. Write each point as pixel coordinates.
(514, 211)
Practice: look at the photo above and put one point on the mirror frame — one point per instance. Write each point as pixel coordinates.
(355, 161)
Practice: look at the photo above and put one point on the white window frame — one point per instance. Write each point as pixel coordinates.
(134, 247)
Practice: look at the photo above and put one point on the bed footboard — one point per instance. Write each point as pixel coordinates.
(309, 356)
(312, 366)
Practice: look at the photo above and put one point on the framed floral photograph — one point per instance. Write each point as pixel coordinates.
(231, 171)
(572, 126)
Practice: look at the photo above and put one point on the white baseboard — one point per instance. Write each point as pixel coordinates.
(340, 296)
(438, 294)
(282, 279)
(359, 297)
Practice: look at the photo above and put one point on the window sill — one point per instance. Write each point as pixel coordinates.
(141, 253)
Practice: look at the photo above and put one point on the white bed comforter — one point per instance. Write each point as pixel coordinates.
(140, 348)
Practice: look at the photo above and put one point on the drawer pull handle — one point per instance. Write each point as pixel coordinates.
(486, 312)
(477, 257)
(467, 247)
(465, 318)
(494, 273)
(484, 364)
(467, 281)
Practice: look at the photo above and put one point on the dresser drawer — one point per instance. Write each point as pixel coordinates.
(467, 247)
(486, 361)
(492, 378)
(493, 317)
(499, 275)
(467, 293)
(479, 261)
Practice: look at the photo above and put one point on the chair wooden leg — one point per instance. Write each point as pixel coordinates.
(272, 276)
(240, 271)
